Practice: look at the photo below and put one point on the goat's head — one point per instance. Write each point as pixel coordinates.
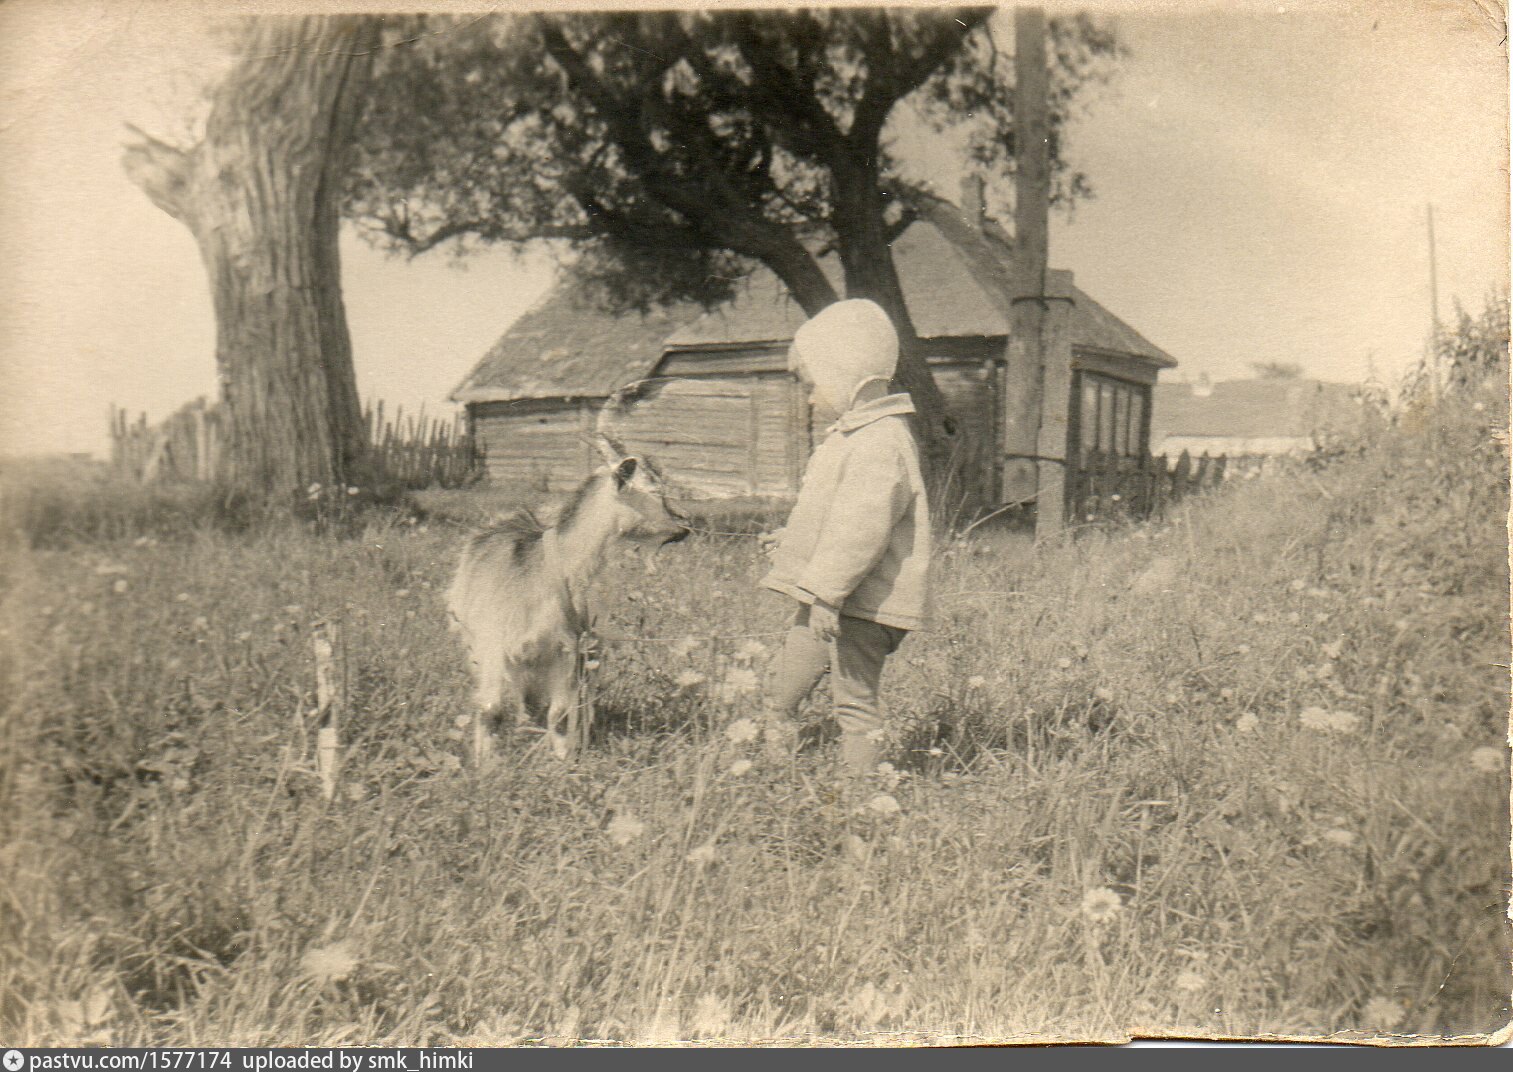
(640, 500)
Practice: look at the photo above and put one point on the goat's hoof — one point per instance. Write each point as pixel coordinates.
(559, 745)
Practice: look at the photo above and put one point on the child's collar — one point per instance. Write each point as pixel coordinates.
(863, 415)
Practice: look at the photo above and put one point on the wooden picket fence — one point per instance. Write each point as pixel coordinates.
(1105, 487)
(410, 451)
(418, 452)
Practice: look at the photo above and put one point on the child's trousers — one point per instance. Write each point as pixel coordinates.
(860, 649)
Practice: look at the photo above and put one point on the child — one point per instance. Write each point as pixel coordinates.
(856, 550)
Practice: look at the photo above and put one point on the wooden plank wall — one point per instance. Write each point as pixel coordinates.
(535, 444)
(714, 436)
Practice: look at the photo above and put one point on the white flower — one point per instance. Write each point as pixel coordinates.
(119, 586)
(1382, 1013)
(625, 828)
(1247, 723)
(352, 491)
(108, 569)
(711, 1016)
(1315, 718)
(1343, 838)
(883, 804)
(976, 681)
(738, 682)
(743, 730)
(703, 855)
(740, 767)
(682, 649)
(200, 623)
(752, 650)
(1190, 982)
(1488, 759)
(329, 963)
(1063, 664)
(1101, 905)
(687, 679)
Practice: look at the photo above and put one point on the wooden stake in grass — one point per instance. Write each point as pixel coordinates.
(325, 638)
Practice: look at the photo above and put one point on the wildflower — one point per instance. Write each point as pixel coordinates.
(976, 681)
(244, 636)
(120, 585)
(739, 681)
(703, 855)
(868, 1005)
(1101, 905)
(292, 609)
(1247, 723)
(313, 489)
(1488, 759)
(1190, 982)
(1316, 718)
(182, 597)
(352, 491)
(687, 679)
(110, 569)
(740, 767)
(1242, 649)
(935, 752)
(1341, 838)
(402, 593)
(1343, 721)
(751, 650)
(329, 963)
(883, 804)
(711, 1016)
(1103, 693)
(682, 649)
(1383, 1013)
(1063, 664)
(1334, 649)
(200, 623)
(625, 828)
(1297, 585)
(742, 730)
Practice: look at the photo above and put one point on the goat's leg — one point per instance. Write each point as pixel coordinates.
(562, 709)
(491, 684)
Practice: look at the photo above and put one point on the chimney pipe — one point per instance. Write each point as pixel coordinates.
(973, 207)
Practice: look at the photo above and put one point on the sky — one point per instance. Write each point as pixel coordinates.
(1261, 173)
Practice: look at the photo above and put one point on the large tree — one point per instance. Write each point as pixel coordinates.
(261, 193)
(676, 150)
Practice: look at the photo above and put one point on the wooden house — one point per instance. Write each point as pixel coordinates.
(1251, 418)
(714, 403)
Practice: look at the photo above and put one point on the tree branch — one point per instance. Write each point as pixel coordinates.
(160, 170)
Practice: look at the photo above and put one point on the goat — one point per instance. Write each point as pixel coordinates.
(519, 597)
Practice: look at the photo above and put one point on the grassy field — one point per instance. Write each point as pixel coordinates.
(1239, 773)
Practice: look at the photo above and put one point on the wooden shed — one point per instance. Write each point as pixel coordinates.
(714, 403)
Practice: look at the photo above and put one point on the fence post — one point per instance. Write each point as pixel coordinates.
(325, 639)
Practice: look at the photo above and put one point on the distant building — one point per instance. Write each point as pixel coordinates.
(1249, 417)
(717, 407)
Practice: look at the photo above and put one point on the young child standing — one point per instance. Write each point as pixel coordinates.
(855, 553)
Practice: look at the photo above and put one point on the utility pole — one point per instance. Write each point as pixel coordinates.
(1433, 278)
(1032, 195)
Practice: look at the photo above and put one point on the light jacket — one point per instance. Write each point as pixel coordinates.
(859, 534)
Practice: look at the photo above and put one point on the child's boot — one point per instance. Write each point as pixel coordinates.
(779, 737)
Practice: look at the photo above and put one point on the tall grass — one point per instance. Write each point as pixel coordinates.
(1243, 772)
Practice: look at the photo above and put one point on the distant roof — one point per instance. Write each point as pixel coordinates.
(956, 280)
(566, 347)
(1251, 408)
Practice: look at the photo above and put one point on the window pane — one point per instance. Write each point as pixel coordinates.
(1088, 418)
(1121, 419)
(1106, 416)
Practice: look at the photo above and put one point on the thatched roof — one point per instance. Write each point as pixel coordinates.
(956, 279)
(566, 348)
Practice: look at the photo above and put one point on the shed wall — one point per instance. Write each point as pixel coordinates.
(535, 444)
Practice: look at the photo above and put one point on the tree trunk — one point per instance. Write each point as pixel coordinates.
(261, 195)
(870, 272)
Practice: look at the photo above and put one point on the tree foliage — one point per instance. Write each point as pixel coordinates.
(674, 151)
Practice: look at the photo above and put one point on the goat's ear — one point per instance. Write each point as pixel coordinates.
(624, 471)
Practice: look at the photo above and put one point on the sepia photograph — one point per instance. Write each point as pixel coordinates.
(659, 524)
